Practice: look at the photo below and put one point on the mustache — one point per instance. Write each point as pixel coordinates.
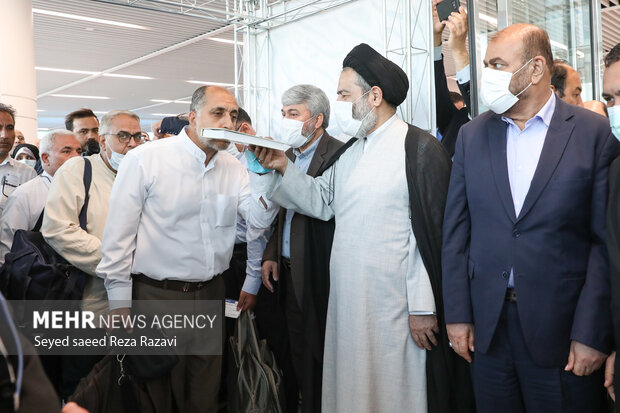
(4, 141)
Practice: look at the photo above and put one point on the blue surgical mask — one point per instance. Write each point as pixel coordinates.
(254, 165)
(614, 120)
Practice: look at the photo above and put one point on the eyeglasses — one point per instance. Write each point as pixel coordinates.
(123, 136)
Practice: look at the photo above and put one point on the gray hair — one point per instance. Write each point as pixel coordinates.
(361, 82)
(107, 119)
(199, 98)
(47, 141)
(314, 98)
(8, 109)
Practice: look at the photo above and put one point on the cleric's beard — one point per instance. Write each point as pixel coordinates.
(364, 111)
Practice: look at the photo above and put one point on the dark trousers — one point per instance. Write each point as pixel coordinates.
(194, 382)
(294, 323)
(507, 380)
(234, 276)
(272, 326)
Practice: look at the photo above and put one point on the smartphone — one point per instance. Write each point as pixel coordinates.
(446, 7)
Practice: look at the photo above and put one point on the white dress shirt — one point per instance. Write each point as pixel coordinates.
(523, 149)
(22, 210)
(256, 240)
(172, 217)
(12, 175)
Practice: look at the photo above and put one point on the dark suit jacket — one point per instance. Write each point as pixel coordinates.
(613, 246)
(449, 118)
(556, 245)
(326, 148)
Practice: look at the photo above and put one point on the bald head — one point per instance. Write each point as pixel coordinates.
(533, 41)
(566, 83)
(524, 51)
(212, 107)
(596, 106)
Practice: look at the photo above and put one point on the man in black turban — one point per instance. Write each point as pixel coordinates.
(384, 337)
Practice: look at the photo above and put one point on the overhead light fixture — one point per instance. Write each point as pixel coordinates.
(87, 72)
(200, 82)
(183, 102)
(164, 115)
(99, 112)
(53, 69)
(217, 39)
(488, 19)
(80, 96)
(40, 110)
(43, 129)
(88, 19)
(127, 76)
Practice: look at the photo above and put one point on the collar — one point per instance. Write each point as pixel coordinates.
(545, 113)
(9, 161)
(47, 176)
(382, 128)
(309, 150)
(194, 150)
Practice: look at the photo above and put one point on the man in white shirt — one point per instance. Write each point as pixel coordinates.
(24, 207)
(175, 204)
(12, 173)
(120, 132)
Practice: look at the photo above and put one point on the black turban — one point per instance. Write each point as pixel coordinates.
(376, 70)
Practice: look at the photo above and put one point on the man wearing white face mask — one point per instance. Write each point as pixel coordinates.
(305, 116)
(526, 283)
(119, 133)
(386, 192)
(611, 94)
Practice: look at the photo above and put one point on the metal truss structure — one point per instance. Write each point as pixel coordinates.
(247, 19)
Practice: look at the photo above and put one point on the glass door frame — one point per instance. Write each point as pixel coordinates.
(504, 13)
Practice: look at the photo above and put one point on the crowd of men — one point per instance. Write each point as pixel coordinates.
(393, 272)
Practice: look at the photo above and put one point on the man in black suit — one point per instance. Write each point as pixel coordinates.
(305, 112)
(449, 117)
(524, 257)
(611, 94)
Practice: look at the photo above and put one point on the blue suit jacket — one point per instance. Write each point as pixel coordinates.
(556, 245)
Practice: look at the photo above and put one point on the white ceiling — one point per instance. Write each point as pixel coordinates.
(67, 43)
(163, 50)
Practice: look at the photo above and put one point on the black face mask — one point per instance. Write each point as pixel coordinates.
(92, 147)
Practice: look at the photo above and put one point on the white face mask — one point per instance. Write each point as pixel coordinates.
(115, 159)
(495, 89)
(232, 149)
(291, 132)
(30, 162)
(343, 113)
(614, 120)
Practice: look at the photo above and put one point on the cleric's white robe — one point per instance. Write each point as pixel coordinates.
(371, 363)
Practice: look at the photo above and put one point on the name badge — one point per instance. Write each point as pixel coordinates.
(231, 309)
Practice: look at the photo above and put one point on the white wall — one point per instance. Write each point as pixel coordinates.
(311, 50)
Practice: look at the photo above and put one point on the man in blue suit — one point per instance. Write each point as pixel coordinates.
(524, 259)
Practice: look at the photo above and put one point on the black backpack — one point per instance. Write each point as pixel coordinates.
(34, 271)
